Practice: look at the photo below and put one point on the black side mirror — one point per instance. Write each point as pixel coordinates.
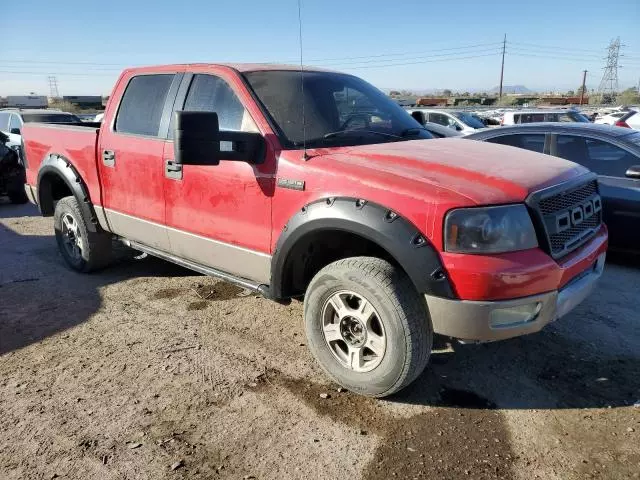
(633, 172)
(419, 116)
(15, 131)
(197, 141)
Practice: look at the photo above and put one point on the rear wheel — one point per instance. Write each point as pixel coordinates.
(367, 326)
(82, 249)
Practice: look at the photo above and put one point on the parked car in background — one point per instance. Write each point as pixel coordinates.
(610, 118)
(457, 120)
(438, 131)
(625, 119)
(86, 117)
(12, 120)
(98, 117)
(611, 152)
(537, 116)
(12, 173)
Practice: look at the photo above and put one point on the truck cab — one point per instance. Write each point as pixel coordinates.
(314, 185)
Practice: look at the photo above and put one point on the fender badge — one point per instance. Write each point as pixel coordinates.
(291, 184)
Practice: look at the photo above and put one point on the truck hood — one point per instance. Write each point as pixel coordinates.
(483, 172)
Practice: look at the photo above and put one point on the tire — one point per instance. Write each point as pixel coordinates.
(82, 250)
(16, 192)
(395, 318)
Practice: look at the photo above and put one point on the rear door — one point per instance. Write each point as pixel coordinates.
(620, 194)
(130, 158)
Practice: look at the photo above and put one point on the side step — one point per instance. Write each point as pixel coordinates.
(262, 289)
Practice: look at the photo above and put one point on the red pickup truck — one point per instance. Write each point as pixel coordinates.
(314, 184)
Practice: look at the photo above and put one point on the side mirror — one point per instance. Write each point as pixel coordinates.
(198, 140)
(15, 131)
(418, 116)
(633, 172)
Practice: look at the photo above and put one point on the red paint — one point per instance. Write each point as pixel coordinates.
(238, 203)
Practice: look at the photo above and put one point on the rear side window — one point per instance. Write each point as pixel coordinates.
(142, 105)
(533, 142)
(531, 117)
(4, 122)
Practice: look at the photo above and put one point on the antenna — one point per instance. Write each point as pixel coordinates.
(304, 118)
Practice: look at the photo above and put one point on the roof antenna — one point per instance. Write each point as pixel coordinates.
(305, 156)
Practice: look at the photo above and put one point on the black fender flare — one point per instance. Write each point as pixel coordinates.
(62, 168)
(378, 224)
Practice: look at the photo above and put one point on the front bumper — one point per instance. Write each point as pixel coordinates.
(484, 320)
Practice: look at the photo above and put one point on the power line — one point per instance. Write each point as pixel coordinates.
(494, 54)
(414, 58)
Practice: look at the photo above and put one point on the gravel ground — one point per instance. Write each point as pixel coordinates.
(148, 371)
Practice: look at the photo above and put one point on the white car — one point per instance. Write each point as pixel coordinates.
(12, 119)
(457, 120)
(537, 116)
(611, 118)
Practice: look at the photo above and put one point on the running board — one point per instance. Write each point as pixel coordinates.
(212, 272)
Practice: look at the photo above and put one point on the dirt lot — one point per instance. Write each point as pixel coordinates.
(147, 371)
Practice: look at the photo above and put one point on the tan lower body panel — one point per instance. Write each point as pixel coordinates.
(222, 256)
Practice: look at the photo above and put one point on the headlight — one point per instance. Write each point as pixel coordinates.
(489, 230)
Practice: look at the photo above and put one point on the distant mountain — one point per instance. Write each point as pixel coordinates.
(512, 89)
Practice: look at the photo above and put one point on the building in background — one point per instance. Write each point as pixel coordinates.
(26, 101)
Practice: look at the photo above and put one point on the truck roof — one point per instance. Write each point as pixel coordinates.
(241, 67)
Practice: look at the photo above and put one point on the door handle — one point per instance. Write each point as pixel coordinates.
(109, 158)
(172, 170)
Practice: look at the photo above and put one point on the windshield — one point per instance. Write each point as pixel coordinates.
(469, 119)
(339, 110)
(572, 117)
(49, 118)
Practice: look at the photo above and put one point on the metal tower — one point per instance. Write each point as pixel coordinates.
(53, 86)
(609, 84)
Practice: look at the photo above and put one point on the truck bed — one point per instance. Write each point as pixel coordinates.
(78, 141)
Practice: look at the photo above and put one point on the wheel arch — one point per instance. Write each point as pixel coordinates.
(333, 228)
(57, 178)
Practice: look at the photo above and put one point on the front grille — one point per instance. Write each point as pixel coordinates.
(568, 217)
(568, 199)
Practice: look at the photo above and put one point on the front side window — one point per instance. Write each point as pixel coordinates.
(209, 93)
(142, 104)
(339, 109)
(608, 159)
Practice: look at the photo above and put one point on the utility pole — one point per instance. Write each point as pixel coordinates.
(584, 81)
(504, 47)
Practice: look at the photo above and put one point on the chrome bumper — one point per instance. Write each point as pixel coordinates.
(476, 320)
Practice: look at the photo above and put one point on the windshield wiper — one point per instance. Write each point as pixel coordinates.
(356, 132)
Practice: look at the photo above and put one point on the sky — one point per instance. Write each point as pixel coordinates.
(413, 45)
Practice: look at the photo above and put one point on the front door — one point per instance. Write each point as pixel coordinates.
(220, 215)
(130, 159)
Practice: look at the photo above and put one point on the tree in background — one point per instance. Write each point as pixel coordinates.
(571, 93)
(507, 101)
(628, 97)
(447, 93)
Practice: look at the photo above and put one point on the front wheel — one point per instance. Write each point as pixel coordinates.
(367, 326)
(82, 249)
